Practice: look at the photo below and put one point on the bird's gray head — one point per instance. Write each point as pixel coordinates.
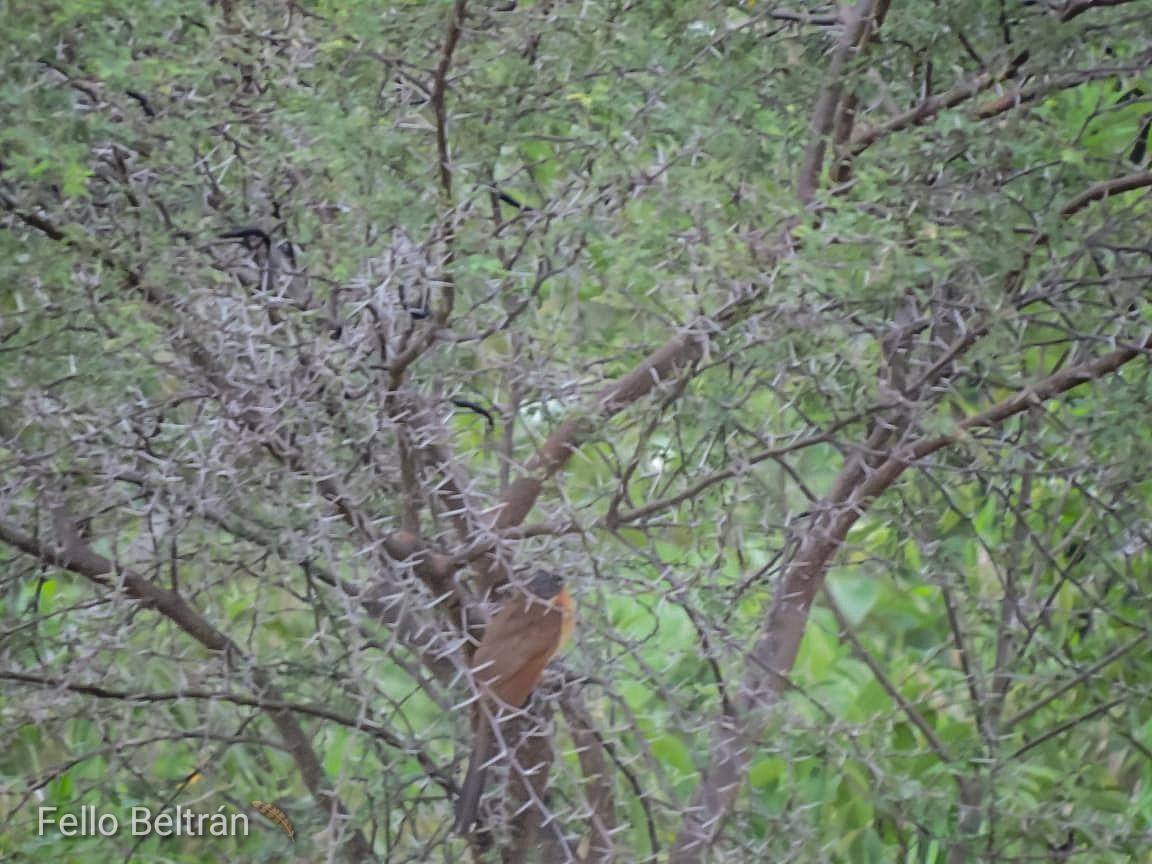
(544, 584)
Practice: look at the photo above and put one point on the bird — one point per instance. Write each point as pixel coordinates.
(531, 626)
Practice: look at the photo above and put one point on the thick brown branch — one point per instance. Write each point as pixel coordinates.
(923, 111)
(773, 656)
(1105, 189)
(1076, 8)
(859, 18)
(444, 160)
(598, 786)
(1025, 95)
(439, 94)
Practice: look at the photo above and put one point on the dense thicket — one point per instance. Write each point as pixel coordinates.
(810, 344)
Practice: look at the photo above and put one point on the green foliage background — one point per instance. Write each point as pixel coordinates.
(658, 143)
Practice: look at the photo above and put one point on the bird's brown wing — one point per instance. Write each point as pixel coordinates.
(516, 647)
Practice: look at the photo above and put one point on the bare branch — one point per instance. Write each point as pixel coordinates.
(81, 559)
(1076, 8)
(927, 109)
(1105, 189)
(598, 787)
(858, 20)
(774, 654)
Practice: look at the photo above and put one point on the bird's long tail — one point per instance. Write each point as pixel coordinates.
(473, 788)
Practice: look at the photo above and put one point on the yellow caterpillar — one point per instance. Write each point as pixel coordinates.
(275, 814)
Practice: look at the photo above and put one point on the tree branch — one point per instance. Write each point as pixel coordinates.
(81, 559)
(774, 654)
(1076, 8)
(321, 712)
(1105, 189)
(598, 787)
(856, 26)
